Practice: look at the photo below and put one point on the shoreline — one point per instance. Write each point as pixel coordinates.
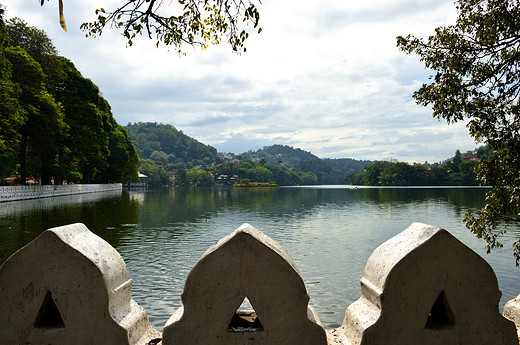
(17, 193)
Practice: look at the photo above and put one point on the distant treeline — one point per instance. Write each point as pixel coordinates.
(458, 170)
(168, 156)
(54, 123)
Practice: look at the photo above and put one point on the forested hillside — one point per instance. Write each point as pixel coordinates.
(54, 123)
(169, 156)
(327, 171)
(160, 141)
(279, 154)
(164, 150)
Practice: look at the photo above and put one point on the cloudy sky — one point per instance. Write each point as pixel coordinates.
(324, 76)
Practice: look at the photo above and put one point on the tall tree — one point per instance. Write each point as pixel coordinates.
(40, 47)
(476, 63)
(99, 149)
(44, 127)
(88, 118)
(77, 138)
(12, 115)
(123, 159)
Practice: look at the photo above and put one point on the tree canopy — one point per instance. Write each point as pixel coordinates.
(476, 79)
(12, 114)
(179, 22)
(165, 143)
(456, 171)
(54, 123)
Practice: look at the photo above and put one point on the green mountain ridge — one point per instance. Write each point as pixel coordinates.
(327, 170)
(162, 146)
(150, 137)
(170, 156)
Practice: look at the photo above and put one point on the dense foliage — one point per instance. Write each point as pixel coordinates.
(327, 171)
(246, 171)
(54, 123)
(165, 143)
(476, 63)
(455, 171)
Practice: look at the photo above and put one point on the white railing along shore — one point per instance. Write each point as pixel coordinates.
(15, 193)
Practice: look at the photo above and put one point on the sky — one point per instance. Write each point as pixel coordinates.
(324, 76)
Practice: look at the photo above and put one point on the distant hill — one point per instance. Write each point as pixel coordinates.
(279, 154)
(347, 164)
(162, 148)
(164, 142)
(328, 171)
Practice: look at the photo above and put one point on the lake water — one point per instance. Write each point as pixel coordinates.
(330, 231)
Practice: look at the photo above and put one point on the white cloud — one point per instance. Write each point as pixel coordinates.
(323, 76)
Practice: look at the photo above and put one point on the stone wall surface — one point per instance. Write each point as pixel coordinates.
(14, 193)
(423, 286)
(512, 312)
(69, 286)
(249, 264)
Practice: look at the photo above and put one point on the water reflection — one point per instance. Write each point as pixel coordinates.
(103, 213)
(329, 231)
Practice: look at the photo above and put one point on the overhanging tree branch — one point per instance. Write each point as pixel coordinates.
(476, 63)
(181, 23)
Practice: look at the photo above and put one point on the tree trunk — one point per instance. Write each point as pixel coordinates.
(23, 159)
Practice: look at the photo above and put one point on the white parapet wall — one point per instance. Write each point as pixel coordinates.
(69, 286)
(423, 286)
(249, 264)
(15, 193)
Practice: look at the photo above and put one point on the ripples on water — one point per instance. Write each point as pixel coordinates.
(329, 231)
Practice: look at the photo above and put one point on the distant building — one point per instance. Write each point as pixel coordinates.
(141, 182)
(12, 180)
(472, 157)
(31, 180)
(224, 156)
(226, 180)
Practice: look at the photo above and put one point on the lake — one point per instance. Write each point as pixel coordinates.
(330, 231)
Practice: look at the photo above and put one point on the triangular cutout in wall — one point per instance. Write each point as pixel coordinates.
(49, 316)
(245, 319)
(440, 316)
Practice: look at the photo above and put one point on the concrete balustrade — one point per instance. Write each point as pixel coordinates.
(423, 286)
(14, 193)
(244, 264)
(69, 286)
